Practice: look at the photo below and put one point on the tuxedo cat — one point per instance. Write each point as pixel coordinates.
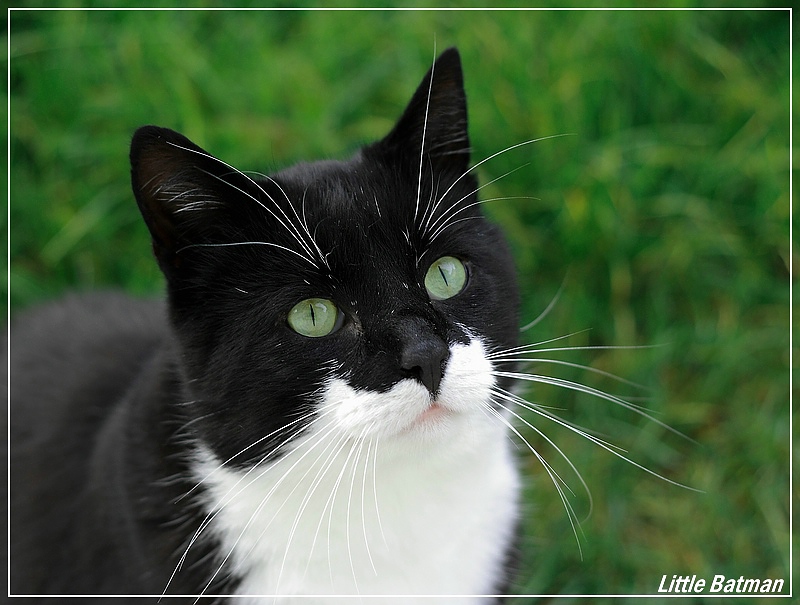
(317, 408)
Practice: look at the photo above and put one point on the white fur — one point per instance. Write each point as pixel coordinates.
(376, 499)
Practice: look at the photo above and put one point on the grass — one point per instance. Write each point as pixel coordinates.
(663, 217)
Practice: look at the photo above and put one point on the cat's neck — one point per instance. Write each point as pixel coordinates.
(335, 518)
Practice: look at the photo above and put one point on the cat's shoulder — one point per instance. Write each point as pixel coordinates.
(94, 315)
(56, 347)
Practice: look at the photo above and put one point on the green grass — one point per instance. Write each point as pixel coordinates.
(664, 214)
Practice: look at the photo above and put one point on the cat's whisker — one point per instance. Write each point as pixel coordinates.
(531, 347)
(254, 514)
(184, 427)
(285, 222)
(327, 465)
(375, 489)
(599, 442)
(343, 442)
(451, 220)
(230, 495)
(292, 230)
(360, 448)
(235, 170)
(338, 447)
(334, 491)
(304, 219)
(302, 222)
(555, 478)
(435, 199)
(434, 191)
(548, 411)
(245, 449)
(210, 516)
(524, 350)
(321, 469)
(570, 364)
(575, 386)
(363, 497)
(424, 134)
(453, 209)
(295, 252)
(491, 157)
(551, 305)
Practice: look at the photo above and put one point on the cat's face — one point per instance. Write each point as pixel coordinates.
(362, 295)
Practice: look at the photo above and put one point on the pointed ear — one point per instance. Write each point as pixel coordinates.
(435, 120)
(177, 185)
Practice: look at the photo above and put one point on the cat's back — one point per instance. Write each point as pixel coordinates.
(71, 364)
(77, 355)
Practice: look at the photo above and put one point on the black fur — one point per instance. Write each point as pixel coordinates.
(109, 393)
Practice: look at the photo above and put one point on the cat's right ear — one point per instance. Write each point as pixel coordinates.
(175, 184)
(434, 122)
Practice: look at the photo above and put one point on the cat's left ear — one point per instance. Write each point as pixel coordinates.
(435, 121)
(183, 193)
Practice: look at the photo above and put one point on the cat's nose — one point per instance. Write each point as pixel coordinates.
(424, 359)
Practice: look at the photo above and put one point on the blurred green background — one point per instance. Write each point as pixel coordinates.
(664, 216)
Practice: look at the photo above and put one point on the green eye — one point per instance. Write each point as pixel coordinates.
(314, 317)
(445, 278)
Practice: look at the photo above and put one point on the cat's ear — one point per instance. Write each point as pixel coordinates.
(177, 187)
(435, 121)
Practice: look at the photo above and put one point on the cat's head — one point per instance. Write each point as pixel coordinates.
(362, 294)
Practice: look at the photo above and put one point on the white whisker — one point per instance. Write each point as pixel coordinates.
(531, 348)
(363, 508)
(576, 386)
(494, 155)
(613, 449)
(338, 447)
(451, 217)
(360, 442)
(287, 224)
(523, 350)
(557, 481)
(305, 258)
(453, 209)
(261, 505)
(301, 221)
(252, 445)
(210, 516)
(547, 309)
(332, 500)
(571, 365)
(424, 133)
(375, 489)
(333, 445)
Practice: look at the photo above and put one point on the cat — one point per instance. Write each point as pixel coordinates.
(322, 404)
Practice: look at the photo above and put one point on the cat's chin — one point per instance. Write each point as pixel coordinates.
(433, 422)
(436, 412)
